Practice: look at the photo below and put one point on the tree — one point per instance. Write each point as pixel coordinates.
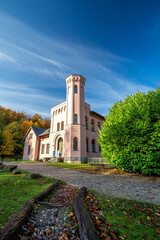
(2, 126)
(25, 125)
(16, 124)
(13, 139)
(130, 136)
(7, 147)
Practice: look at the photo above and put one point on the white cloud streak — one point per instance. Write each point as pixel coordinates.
(6, 58)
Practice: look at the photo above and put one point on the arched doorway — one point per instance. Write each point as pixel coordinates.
(60, 147)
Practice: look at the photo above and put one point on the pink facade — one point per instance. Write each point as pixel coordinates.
(73, 132)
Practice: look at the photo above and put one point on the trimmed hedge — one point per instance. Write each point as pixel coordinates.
(130, 136)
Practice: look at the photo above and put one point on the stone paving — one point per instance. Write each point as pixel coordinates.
(133, 187)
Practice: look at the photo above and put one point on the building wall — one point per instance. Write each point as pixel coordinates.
(30, 142)
(92, 134)
(58, 115)
(44, 142)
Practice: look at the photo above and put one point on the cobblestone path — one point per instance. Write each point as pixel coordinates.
(140, 188)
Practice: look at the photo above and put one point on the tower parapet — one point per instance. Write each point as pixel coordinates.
(75, 99)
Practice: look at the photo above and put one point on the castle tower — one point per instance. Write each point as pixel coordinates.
(75, 119)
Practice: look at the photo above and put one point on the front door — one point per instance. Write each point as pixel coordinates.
(60, 147)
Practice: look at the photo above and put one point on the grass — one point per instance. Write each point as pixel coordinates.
(87, 168)
(128, 219)
(15, 190)
(19, 160)
(11, 160)
(69, 165)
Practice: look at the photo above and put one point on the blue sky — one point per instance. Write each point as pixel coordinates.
(114, 44)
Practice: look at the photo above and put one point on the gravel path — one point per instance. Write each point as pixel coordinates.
(140, 188)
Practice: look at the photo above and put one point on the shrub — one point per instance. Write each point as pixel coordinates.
(130, 136)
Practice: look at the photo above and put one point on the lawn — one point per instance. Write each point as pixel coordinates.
(19, 160)
(15, 190)
(124, 219)
(69, 165)
(87, 168)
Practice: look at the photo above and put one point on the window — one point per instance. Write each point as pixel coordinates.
(29, 149)
(62, 125)
(58, 126)
(75, 143)
(93, 146)
(86, 122)
(87, 144)
(75, 89)
(100, 149)
(92, 125)
(31, 136)
(42, 150)
(75, 119)
(48, 148)
(98, 125)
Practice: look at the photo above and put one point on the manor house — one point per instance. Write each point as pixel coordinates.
(73, 131)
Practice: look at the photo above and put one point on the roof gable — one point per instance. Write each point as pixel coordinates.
(37, 130)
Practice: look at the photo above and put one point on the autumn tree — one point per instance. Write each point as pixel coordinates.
(7, 147)
(13, 127)
(2, 126)
(13, 139)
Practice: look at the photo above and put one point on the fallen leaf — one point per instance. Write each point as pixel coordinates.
(157, 214)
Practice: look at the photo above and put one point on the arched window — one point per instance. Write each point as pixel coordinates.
(87, 145)
(75, 89)
(93, 146)
(92, 125)
(100, 149)
(62, 125)
(58, 126)
(75, 143)
(98, 125)
(75, 119)
(48, 148)
(86, 122)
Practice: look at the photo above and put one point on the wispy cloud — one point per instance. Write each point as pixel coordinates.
(26, 95)
(6, 58)
(131, 87)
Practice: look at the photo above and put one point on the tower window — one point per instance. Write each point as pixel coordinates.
(75, 89)
(98, 125)
(62, 125)
(93, 146)
(58, 126)
(92, 125)
(86, 122)
(75, 143)
(100, 149)
(75, 119)
(87, 145)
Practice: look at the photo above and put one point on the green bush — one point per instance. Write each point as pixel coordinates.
(130, 136)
